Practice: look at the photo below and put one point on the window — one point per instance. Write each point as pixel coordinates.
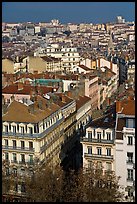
(6, 143)
(99, 150)
(130, 174)
(22, 130)
(23, 187)
(108, 136)
(90, 164)
(31, 159)
(14, 157)
(15, 171)
(14, 144)
(23, 158)
(30, 130)
(30, 145)
(14, 129)
(6, 156)
(22, 172)
(7, 171)
(130, 192)
(130, 157)
(130, 140)
(99, 135)
(99, 164)
(6, 128)
(130, 123)
(16, 187)
(90, 135)
(89, 150)
(22, 145)
(108, 151)
(108, 166)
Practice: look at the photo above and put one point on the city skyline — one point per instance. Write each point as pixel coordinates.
(67, 12)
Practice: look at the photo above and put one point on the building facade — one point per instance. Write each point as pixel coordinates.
(125, 146)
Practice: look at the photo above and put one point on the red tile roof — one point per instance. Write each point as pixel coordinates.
(84, 67)
(81, 101)
(13, 89)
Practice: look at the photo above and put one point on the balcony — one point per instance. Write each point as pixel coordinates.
(14, 161)
(130, 162)
(97, 156)
(130, 179)
(128, 130)
(21, 149)
(46, 145)
(85, 139)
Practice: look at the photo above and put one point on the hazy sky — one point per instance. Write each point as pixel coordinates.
(73, 12)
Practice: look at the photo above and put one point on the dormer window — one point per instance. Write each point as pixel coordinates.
(6, 128)
(108, 136)
(99, 135)
(30, 130)
(14, 129)
(22, 130)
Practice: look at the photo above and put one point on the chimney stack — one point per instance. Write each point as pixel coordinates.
(63, 98)
(20, 86)
(111, 65)
(118, 106)
(69, 94)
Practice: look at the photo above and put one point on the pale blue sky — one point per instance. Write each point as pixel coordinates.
(75, 12)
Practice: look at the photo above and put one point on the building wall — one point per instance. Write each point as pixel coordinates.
(36, 64)
(91, 90)
(94, 144)
(8, 66)
(122, 148)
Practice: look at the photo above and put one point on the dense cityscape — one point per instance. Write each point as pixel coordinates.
(68, 105)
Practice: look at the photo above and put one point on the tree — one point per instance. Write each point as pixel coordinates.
(96, 185)
(48, 184)
(45, 185)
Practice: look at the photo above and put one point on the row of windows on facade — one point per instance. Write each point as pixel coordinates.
(22, 156)
(18, 187)
(26, 129)
(22, 144)
(109, 167)
(99, 151)
(99, 134)
(130, 123)
(129, 138)
(99, 165)
(108, 153)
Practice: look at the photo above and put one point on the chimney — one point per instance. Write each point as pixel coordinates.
(69, 94)
(111, 66)
(17, 58)
(31, 108)
(130, 98)
(108, 101)
(98, 62)
(63, 98)
(118, 106)
(20, 86)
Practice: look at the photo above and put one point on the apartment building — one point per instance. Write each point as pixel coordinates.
(24, 92)
(131, 72)
(125, 146)
(101, 62)
(8, 66)
(31, 132)
(91, 90)
(69, 55)
(98, 143)
(80, 69)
